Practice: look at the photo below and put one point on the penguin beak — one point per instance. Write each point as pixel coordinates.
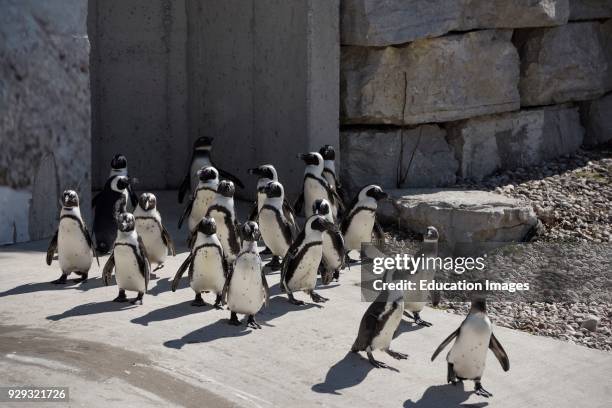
(255, 171)
(382, 196)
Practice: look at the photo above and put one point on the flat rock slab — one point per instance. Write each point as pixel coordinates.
(461, 216)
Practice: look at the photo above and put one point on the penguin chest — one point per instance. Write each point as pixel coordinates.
(200, 206)
(359, 229)
(305, 274)
(313, 190)
(272, 233)
(382, 340)
(246, 292)
(469, 352)
(74, 253)
(127, 270)
(331, 256)
(329, 177)
(207, 273)
(148, 229)
(260, 200)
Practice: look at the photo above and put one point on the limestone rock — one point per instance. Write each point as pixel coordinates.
(590, 9)
(513, 13)
(432, 80)
(463, 216)
(512, 140)
(433, 163)
(562, 64)
(590, 323)
(44, 207)
(597, 119)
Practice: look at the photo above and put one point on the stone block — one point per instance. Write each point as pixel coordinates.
(597, 119)
(590, 9)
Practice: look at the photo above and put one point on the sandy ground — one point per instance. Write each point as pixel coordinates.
(168, 353)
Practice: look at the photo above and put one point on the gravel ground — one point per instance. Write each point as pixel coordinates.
(572, 197)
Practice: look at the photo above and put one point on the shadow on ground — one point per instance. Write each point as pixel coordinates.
(218, 330)
(170, 312)
(447, 396)
(346, 373)
(92, 309)
(91, 283)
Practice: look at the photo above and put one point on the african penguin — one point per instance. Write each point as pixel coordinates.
(71, 241)
(329, 169)
(360, 222)
(222, 210)
(203, 196)
(468, 355)
(414, 301)
(334, 253)
(301, 263)
(149, 227)
(206, 263)
(119, 167)
(246, 289)
(107, 205)
(315, 186)
(276, 230)
(130, 261)
(201, 157)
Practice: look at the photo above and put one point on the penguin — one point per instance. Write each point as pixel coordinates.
(149, 227)
(468, 355)
(334, 253)
(329, 169)
(315, 186)
(378, 325)
(358, 225)
(246, 288)
(119, 168)
(208, 269)
(107, 205)
(222, 210)
(301, 263)
(203, 196)
(130, 261)
(201, 157)
(414, 301)
(71, 241)
(276, 230)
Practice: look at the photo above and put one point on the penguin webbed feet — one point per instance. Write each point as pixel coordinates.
(82, 279)
(138, 299)
(374, 362)
(157, 268)
(234, 320)
(252, 323)
(294, 301)
(198, 301)
(419, 321)
(121, 297)
(275, 263)
(479, 390)
(451, 377)
(397, 355)
(61, 280)
(218, 302)
(317, 298)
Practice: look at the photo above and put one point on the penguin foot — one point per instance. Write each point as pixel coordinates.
(326, 277)
(234, 320)
(397, 355)
(478, 390)
(218, 303)
(153, 276)
(266, 251)
(275, 263)
(422, 322)
(61, 280)
(252, 323)
(82, 279)
(121, 297)
(317, 298)
(160, 266)
(198, 302)
(376, 363)
(337, 275)
(137, 300)
(294, 301)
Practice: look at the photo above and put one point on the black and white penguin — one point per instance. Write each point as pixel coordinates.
(201, 157)
(414, 301)
(130, 261)
(246, 289)
(329, 169)
(316, 186)
(222, 211)
(119, 167)
(301, 263)
(266, 174)
(360, 222)
(150, 228)
(107, 205)
(276, 230)
(208, 269)
(468, 356)
(334, 253)
(71, 241)
(379, 323)
(203, 196)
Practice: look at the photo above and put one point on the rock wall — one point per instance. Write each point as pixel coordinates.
(504, 83)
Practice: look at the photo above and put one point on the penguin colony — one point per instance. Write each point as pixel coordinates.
(224, 259)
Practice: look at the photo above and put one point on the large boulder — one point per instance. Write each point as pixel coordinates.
(590, 9)
(517, 139)
(417, 157)
(597, 119)
(561, 64)
(432, 80)
(461, 216)
(380, 23)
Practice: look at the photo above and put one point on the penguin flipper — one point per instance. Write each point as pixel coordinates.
(253, 214)
(143, 262)
(266, 288)
(299, 202)
(133, 196)
(52, 249)
(379, 234)
(187, 211)
(107, 272)
(226, 287)
(499, 352)
(181, 270)
(289, 214)
(90, 243)
(371, 324)
(185, 185)
(227, 175)
(168, 240)
(445, 343)
(94, 200)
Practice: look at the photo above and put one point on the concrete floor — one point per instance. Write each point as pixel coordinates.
(168, 353)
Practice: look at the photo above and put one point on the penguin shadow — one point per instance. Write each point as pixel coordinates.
(165, 285)
(220, 329)
(91, 283)
(91, 309)
(447, 395)
(346, 373)
(407, 326)
(170, 312)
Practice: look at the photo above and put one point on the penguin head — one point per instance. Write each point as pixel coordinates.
(320, 206)
(264, 171)
(226, 188)
(125, 222)
(328, 152)
(311, 159)
(203, 143)
(274, 189)
(70, 199)
(119, 162)
(207, 226)
(372, 191)
(249, 231)
(479, 303)
(147, 201)
(206, 174)
(122, 183)
(318, 223)
(431, 235)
